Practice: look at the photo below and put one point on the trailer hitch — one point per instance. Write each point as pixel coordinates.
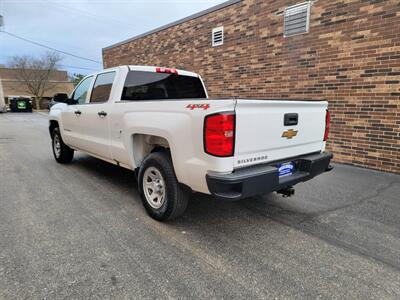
(286, 192)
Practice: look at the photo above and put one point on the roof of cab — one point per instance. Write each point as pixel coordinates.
(151, 69)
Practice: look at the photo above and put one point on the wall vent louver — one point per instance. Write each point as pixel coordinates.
(218, 36)
(297, 19)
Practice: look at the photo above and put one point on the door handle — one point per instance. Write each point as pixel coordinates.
(78, 112)
(102, 113)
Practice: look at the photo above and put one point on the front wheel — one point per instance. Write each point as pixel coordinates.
(62, 153)
(162, 195)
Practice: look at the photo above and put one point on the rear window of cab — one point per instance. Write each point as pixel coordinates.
(141, 85)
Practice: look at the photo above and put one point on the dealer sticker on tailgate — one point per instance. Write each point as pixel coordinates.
(286, 169)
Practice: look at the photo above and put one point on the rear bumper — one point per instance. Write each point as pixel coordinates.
(262, 179)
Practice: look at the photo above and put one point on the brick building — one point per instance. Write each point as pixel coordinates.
(345, 51)
(12, 86)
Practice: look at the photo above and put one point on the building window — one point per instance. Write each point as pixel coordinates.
(297, 19)
(218, 36)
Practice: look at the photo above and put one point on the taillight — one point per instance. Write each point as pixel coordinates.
(219, 134)
(327, 124)
(166, 70)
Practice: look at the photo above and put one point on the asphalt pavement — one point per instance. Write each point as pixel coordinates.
(79, 231)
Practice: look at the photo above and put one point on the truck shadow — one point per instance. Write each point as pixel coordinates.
(333, 207)
(202, 208)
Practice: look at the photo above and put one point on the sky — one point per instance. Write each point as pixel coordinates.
(84, 27)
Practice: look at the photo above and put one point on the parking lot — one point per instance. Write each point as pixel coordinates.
(79, 231)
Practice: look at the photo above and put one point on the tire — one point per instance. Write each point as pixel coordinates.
(62, 153)
(170, 197)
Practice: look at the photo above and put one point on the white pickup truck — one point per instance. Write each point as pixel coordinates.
(160, 123)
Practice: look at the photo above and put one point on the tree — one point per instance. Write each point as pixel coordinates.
(76, 78)
(35, 72)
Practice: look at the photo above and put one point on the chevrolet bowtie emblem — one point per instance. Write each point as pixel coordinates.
(289, 133)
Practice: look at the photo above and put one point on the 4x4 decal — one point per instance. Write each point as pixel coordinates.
(204, 106)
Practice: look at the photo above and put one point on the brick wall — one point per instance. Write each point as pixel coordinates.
(351, 57)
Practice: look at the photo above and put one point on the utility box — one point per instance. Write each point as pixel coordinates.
(20, 104)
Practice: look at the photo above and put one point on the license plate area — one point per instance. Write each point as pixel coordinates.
(286, 168)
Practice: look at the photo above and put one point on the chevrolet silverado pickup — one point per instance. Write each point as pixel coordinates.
(160, 123)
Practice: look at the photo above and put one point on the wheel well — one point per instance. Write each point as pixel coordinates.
(52, 126)
(144, 144)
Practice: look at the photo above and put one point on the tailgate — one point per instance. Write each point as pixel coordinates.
(262, 136)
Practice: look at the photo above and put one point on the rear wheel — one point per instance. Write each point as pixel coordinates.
(162, 195)
(62, 153)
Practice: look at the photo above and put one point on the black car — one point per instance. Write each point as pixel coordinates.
(20, 104)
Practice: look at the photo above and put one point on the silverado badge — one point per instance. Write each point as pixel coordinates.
(289, 133)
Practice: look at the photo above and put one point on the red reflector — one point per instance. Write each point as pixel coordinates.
(166, 70)
(219, 134)
(327, 124)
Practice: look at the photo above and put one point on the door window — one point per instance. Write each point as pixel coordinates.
(79, 96)
(102, 87)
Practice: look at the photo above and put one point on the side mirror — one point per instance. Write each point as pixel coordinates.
(61, 97)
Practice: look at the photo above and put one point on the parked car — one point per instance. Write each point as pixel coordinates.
(20, 104)
(161, 123)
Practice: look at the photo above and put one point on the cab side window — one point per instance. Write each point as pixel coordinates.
(79, 96)
(102, 87)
